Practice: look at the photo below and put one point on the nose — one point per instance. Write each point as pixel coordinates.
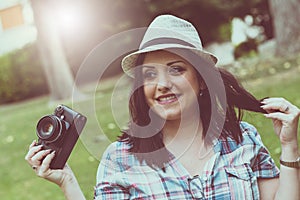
(164, 83)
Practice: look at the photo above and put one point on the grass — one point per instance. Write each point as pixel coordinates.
(18, 121)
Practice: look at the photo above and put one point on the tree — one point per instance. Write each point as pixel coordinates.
(286, 18)
(59, 76)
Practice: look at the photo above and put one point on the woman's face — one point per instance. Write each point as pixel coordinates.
(170, 85)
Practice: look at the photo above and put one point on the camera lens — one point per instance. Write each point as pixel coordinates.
(49, 128)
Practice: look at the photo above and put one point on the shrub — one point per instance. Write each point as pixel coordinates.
(246, 48)
(21, 75)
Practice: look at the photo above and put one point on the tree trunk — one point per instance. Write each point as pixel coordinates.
(286, 18)
(59, 76)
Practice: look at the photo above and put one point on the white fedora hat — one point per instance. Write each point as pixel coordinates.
(166, 32)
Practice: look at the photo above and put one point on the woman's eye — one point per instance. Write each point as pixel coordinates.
(176, 70)
(149, 74)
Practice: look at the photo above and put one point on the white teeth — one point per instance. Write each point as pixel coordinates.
(166, 98)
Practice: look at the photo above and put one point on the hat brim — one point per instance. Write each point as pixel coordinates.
(129, 61)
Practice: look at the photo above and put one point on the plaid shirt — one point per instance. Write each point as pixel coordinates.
(231, 173)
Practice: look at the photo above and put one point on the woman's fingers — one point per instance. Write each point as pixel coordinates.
(33, 150)
(42, 171)
(40, 155)
(285, 118)
(36, 155)
(40, 160)
(56, 176)
(280, 109)
(32, 144)
(277, 104)
(273, 105)
(279, 116)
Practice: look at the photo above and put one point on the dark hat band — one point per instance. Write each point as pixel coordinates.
(166, 41)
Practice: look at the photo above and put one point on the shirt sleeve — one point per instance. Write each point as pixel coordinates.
(108, 185)
(262, 163)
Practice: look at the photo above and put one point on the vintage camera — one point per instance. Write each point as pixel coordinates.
(60, 132)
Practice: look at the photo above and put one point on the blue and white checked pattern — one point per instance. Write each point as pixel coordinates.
(231, 173)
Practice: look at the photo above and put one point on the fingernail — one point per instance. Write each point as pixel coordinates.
(264, 100)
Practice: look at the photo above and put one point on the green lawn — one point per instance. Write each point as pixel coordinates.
(18, 121)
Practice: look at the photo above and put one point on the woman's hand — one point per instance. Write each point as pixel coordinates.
(40, 160)
(285, 118)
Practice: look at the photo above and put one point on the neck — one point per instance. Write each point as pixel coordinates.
(186, 138)
(183, 130)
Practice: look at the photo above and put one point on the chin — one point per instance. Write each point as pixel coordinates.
(167, 114)
(170, 116)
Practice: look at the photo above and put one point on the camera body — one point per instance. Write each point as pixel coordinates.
(60, 132)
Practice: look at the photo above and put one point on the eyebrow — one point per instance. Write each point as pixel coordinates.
(173, 62)
(168, 64)
(147, 66)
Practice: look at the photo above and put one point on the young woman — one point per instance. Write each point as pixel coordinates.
(185, 140)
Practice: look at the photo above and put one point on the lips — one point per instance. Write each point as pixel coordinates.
(167, 99)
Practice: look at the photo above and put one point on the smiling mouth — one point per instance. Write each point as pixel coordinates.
(166, 99)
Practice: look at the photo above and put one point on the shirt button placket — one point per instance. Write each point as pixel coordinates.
(196, 189)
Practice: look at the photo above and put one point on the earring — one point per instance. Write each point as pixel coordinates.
(201, 93)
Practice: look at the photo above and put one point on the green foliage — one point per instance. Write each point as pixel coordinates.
(236, 8)
(223, 33)
(255, 67)
(247, 48)
(21, 75)
(207, 16)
